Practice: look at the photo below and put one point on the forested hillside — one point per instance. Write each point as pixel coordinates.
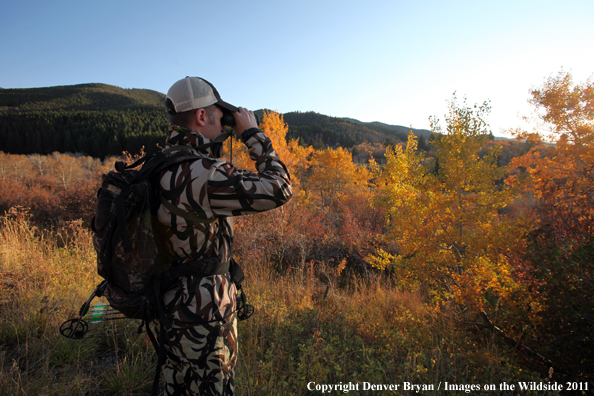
(94, 119)
(319, 130)
(100, 120)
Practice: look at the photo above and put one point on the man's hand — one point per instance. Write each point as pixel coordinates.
(244, 120)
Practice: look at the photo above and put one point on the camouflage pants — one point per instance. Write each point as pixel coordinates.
(201, 359)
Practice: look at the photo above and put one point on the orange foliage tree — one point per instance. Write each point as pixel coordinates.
(560, 180)
(336, 231)
(294, 156)
(561, 177)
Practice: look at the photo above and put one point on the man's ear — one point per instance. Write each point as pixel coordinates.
(201, 117)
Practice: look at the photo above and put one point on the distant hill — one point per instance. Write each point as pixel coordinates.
(94, 119)
(78, 97)
(317, 128)
(101, 120)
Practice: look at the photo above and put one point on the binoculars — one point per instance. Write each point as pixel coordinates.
(229, 120)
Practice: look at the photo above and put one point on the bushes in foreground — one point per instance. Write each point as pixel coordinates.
(306, 328)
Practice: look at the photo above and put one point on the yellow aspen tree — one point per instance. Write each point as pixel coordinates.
(334, 175)
(444, 215)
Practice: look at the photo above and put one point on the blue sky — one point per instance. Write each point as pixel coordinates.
(396, 61)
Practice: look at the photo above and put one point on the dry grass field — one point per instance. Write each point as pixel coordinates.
(307, 330)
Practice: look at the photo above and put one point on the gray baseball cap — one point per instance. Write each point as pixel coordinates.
(193, 93)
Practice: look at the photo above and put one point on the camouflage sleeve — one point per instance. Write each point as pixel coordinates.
(232, 191)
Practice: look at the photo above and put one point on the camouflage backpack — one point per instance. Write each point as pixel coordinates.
(126, 238)
(125, 234)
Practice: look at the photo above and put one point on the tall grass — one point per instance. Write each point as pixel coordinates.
(310, 326)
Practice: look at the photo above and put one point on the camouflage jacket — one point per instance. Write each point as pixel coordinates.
(213, 188)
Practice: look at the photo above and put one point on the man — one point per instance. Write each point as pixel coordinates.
(202, 338)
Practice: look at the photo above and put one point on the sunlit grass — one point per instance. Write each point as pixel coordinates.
(310, 325)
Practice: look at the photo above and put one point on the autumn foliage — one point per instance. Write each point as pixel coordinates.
(55, 188)
(559, 179)
(460, 225)
(445, 215)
